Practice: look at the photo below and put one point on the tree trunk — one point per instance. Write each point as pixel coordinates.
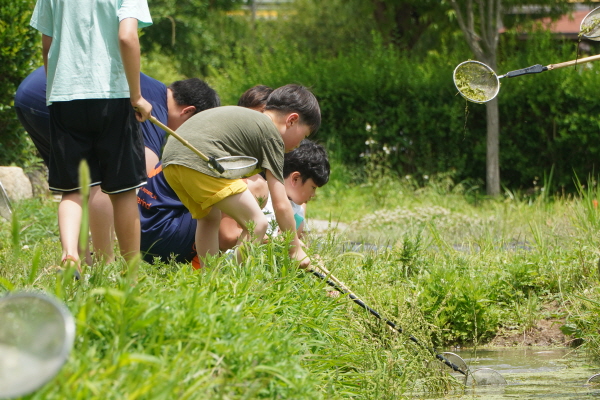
(493, 151)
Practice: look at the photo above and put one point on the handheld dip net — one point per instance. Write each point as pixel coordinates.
(36, 336)
(478, 82)
(590, 25)
(458, 366)
(232, 167)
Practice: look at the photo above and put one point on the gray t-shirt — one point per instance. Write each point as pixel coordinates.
(227, 131)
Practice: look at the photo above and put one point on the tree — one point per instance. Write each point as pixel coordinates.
(480, 21)
(194, 33)
(404, 22)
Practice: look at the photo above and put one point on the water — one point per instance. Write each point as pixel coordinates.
(533, 374)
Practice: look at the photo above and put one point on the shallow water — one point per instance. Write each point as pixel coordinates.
(532, 374)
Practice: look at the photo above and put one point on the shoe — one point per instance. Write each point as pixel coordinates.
(70, 261)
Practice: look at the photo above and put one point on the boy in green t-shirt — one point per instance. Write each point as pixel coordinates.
(292, 113)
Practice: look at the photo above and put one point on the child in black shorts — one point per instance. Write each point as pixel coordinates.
(92, 91)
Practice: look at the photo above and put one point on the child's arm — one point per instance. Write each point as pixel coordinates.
(46, 43)
(129, 45)
(285, 217)
(301, 227)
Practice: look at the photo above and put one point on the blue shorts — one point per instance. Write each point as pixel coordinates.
(168, 228)
(37, 125)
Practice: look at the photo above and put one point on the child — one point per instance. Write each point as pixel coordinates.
(255, 97)
(305, 169)
(91, 56)
(171, 105)
(168, 228)
(291, 114)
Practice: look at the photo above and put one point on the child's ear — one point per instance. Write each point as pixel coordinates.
(296, 177)
(292, 119)
(188, 111)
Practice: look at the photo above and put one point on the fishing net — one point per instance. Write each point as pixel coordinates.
(36, 337)
(590, 25)
(485, 377)
(5, 210)
(476, 81)
(237, 166)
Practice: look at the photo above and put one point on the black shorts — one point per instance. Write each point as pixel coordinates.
(106, 134)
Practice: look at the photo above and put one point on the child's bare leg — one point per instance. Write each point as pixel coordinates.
(127, 223)
(101, 225)
(243, 208)
(207, 234)
(69, 223)
(230, 230)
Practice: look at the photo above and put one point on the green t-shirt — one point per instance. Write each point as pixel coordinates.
(227, 131)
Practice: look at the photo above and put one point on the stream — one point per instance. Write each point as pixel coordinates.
(532, 373)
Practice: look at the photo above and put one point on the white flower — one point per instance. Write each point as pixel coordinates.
(368, 127)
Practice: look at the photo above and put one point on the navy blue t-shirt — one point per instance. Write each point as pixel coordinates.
(156, 93)
(167, 226)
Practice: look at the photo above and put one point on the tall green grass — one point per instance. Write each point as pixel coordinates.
(473, 266)
(263, 329)
(448, 265)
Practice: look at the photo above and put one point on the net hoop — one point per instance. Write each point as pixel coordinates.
(36, 337)
(237, 167)
(485, 377)
(590, 25)
(476, 82)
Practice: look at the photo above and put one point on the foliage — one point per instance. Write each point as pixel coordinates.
(20, 53)
(474, 268)
(196, 34)
(258, 330)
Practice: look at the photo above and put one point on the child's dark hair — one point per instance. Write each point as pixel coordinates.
(255, 97)
(310, 159)
(298, 99)
(195, 92)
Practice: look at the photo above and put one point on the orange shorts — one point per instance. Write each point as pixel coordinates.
(199, 192)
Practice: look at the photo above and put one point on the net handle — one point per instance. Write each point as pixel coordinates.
(210, 160)
(573, 62)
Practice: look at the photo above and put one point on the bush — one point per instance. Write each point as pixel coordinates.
(378, 96)
(20, 53)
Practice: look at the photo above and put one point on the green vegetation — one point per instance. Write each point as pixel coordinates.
(259, 330)
(450, 267)
(20, 53)
(355, 58)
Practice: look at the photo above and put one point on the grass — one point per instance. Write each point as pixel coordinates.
(259, 330)
(449, 267)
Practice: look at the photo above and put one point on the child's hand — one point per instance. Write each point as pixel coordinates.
(143, 109)
(301, 256)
